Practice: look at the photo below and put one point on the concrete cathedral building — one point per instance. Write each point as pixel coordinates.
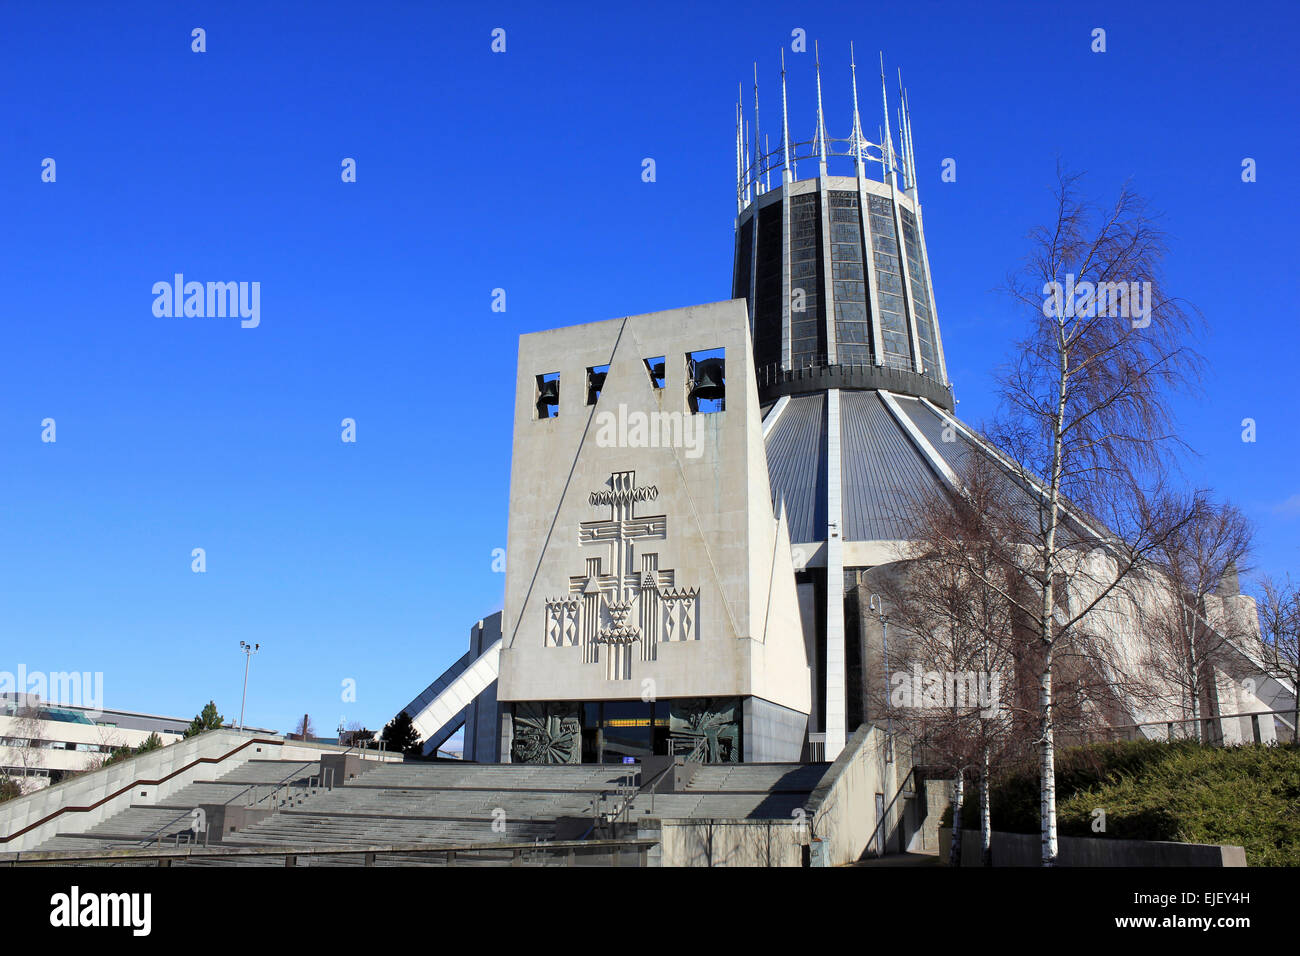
(699, 496)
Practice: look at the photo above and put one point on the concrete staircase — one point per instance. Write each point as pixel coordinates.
(735, 792)
(255, 783)
(443, 804)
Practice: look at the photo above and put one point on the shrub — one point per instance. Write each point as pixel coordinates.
(1151, 790)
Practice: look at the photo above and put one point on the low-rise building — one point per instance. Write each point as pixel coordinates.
(42, 742)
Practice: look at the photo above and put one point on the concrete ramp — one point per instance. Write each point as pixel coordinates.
(456, 697)
(446, 709)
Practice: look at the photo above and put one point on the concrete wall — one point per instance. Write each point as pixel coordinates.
(148, 778)
(1025, 849)
(718, 532)
(934, 796)
(222, 819)
(843, 807)
(481, 721)
(772, 733)
(78, 804)
(733, 843)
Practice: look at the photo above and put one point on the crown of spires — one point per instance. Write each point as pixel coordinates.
(755, 159)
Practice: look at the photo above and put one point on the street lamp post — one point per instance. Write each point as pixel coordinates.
(877, 607)
(249, 650)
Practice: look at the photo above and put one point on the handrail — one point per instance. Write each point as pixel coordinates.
(626, 790)
(654, 780)
(361, 749)
(815, 374)
(698, 748)
(884, 815)
(1186, 720)
(190, 810)
(160, 830)
(164, 855)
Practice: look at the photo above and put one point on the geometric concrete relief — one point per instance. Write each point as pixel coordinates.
(618, 606)
(705, 730)
(547, 733)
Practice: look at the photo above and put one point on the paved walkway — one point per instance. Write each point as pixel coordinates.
(901, 859)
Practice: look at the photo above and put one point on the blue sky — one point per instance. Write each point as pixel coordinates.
(475, 171)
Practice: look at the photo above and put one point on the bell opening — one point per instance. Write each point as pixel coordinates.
(707, 378)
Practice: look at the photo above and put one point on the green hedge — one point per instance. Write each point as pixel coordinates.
(1246, 796)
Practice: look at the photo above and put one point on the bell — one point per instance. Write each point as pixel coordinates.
(710, 379)
(657, 371)
(548, 393)
(596, 380)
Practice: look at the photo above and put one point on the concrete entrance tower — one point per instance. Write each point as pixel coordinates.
(645, 562)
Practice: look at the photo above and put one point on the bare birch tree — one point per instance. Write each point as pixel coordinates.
(24, 748)
(1279, 625)
(958, 634)
(1185, 646)
(1087, 426)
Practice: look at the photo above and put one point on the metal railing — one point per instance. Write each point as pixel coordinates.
(624, 795)
(694, 749)
(363, 751)
(820, 373)
(558, 853)
(816, 748)
(879, 838)
(1210, 731)
(251, 799)
(653, 781)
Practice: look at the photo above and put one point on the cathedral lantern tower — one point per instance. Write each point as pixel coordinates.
(834, 268)
(849, 364)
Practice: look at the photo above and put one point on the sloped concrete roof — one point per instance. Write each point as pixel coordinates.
(881, 464)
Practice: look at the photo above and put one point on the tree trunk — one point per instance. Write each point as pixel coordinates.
(958, 795)
(986, 818)
(1048, 758)
(1195, 680)
(1048, 766)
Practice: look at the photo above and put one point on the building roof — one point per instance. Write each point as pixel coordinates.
(796, 465)
(880, 462)
(880, 468)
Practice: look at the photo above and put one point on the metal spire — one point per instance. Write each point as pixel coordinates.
(821, 124)
(905, 135)
(857, 120)
(902, 147)
(742, 164)
(887, 154)
(911, 148)
(902, 137)
(786, 176)
(758, 173)
(740, 188)
(750, 163)
(749, 160)
(746, 181)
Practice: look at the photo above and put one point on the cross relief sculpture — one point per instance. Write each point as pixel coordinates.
(616, 605)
